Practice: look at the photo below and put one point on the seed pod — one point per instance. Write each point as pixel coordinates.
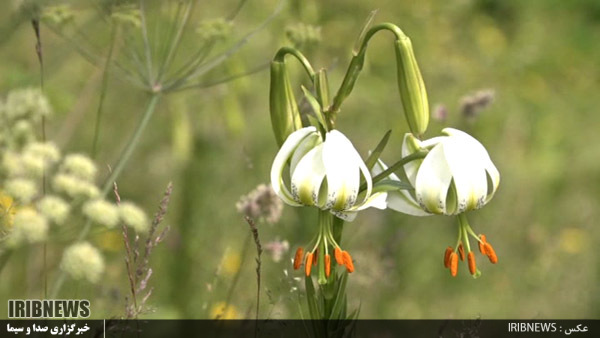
(412, 87)
(285, 117)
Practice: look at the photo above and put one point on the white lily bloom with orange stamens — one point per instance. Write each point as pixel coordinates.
(325, 173)
(456, 176)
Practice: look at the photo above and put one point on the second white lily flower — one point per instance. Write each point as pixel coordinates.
(324, 173)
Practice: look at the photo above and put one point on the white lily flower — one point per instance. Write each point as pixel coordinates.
(457, 175)
(324, 173)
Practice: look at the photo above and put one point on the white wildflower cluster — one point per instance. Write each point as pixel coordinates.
(83, 261)
(30, 212)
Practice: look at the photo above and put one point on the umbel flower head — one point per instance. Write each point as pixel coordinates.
(324, 172)
(456, 176)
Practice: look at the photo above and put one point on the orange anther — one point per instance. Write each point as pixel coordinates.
(315, 256)
(298, 258)
(348, 261)
(339, 258)
(472, 265)
(327, 265)
(482, 244)
(489, 251)
(453, 264)
(308, 263)
(461, 251)
(447, 256)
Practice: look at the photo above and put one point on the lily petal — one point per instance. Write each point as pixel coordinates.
(342, 164)
(347, 216)
(286, 151)
(433, 181)
(402, 201)
(308, 176)
(411, 145)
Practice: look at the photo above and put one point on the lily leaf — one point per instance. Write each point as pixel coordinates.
(340, 298)
(375, 154)
(388, 185)
(316, 107)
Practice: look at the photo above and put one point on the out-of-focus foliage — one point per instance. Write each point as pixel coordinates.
(540, 58)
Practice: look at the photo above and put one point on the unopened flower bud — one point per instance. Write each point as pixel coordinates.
(412, 87)
(285, 117)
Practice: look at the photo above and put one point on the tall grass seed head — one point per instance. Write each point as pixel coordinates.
(21, 189)
(134, 217)
(54, 208)
(102, 212)
(29, 227)
(80, 166)
(83, 261)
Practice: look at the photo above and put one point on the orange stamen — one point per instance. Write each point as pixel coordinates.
(453, 264)
(327, 265)
(339, 258)
(461, 251)
(489, 251)
(348, 261)
(308, 264)
(472, 265)
(298, 258)
(447, 256)
(482, 244)
(315, 256)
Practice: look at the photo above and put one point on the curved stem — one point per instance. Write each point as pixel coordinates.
(283, 51)
(357, 61)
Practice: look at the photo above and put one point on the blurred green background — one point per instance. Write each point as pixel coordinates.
(541, 59)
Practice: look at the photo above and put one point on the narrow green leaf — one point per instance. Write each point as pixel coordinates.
(316, 107)
(339, 300)
(388, 185)
(376, 153)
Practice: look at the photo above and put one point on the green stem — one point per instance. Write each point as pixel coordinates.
(103, 90)
(283, 51)
(356, 64)
(116, 171)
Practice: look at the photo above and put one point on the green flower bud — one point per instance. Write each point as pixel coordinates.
(412, 87)
(102, 212)
(54, 208)
(285, 117)
(29, 227)
(83, 261)
(134, 217)
(21, 189)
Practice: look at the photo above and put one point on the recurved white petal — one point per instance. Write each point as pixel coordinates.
(308, 143)
(342, 164)
(347, 216)
(286, 151)
(433, 180)
(402, 201)
(308, 176)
